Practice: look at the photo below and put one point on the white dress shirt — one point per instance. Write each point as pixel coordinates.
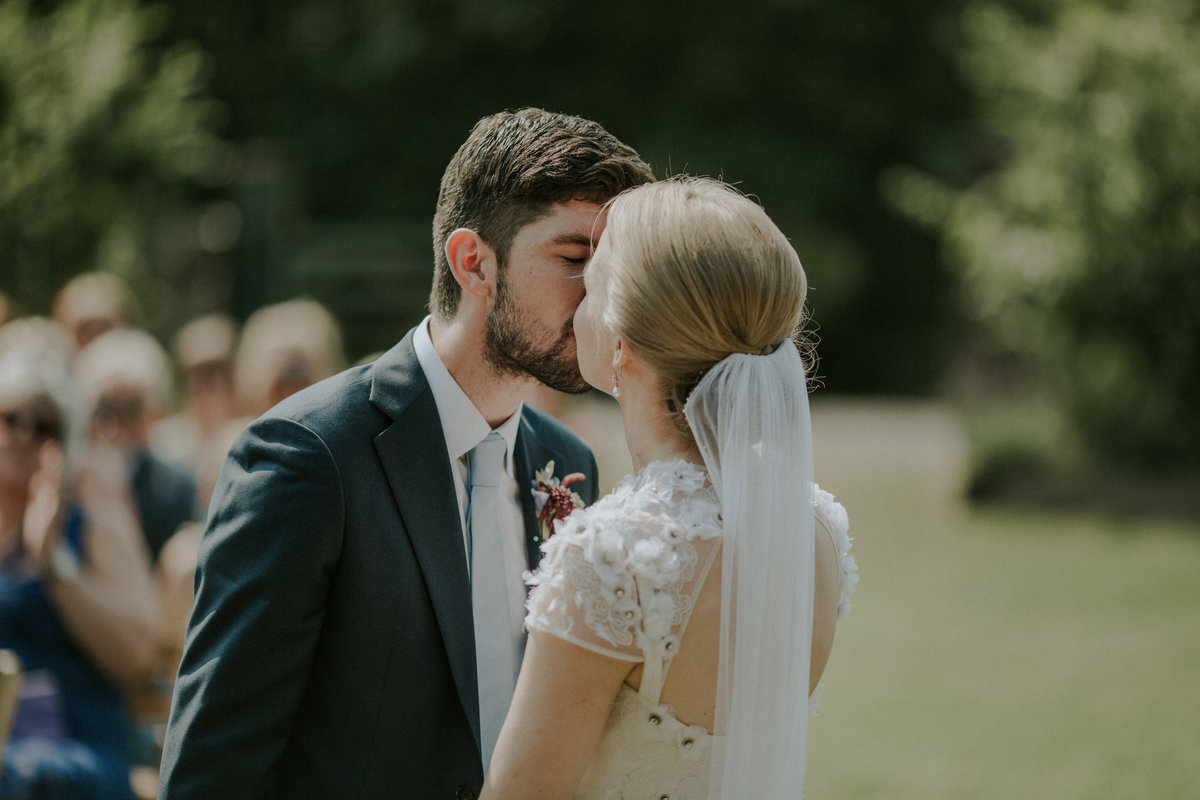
(464, 427)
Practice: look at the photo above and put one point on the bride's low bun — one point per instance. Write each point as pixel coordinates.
(698, 272)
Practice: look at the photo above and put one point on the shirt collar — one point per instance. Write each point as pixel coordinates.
(462, 424)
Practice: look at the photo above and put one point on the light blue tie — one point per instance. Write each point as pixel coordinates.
(494, 652)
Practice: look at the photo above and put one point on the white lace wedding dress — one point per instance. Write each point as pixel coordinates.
(620, 578)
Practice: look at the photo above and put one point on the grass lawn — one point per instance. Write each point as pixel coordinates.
(995, 654)
(990, 655)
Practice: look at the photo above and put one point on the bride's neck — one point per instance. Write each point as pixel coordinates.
(649, 432)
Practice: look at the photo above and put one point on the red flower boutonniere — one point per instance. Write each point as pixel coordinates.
(552, 499)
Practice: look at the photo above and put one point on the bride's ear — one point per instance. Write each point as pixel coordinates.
(620, 355)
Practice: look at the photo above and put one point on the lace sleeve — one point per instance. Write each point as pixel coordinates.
(584, 590)
(833, 517)
(621, 576)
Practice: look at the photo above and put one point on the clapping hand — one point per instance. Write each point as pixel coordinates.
(42, 527)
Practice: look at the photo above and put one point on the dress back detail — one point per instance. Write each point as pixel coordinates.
(621, 578)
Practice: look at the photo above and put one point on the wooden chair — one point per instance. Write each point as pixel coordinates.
(149, 707)
(10, 690)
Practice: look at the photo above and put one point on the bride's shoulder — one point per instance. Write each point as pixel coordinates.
(617, 566)
(831, 515)
(830, 512)
(667, 507)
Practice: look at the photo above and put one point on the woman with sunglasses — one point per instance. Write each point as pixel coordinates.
(77, 604)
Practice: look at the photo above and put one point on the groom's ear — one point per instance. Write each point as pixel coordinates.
(472, 262)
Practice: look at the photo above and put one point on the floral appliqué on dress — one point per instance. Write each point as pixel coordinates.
(621, 566)
(620, 578)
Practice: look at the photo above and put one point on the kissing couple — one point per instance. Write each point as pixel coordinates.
(362, 624)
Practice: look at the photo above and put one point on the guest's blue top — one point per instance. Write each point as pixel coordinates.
(87, 709)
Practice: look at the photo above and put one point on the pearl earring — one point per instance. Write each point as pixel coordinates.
(616, 388)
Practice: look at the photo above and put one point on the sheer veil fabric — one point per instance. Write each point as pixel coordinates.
(750, 418)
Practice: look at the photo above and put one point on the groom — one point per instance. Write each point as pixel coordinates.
(331, 652)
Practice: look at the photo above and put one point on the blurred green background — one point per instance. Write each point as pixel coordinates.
(998, 653)
(997, 203)
(996, 200)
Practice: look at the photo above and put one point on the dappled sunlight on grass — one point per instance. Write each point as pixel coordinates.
(997, 654)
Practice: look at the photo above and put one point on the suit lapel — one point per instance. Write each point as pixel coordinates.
(413, 453)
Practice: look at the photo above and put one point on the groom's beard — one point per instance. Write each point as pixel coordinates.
(515, 347)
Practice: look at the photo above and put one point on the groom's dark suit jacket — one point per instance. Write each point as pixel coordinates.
(330, 653)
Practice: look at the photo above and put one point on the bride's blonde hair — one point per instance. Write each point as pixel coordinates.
(698, 271)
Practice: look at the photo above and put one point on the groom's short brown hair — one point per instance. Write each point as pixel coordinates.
(511, 169)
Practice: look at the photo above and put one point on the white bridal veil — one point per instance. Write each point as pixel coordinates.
(749, 415)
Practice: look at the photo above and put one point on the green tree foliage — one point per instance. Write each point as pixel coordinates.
(1080, 249)
(339, 116)
(803, 103)
(100, 130)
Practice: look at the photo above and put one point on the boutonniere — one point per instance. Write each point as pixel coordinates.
(552, 499)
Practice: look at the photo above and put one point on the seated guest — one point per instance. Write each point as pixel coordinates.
(125, 383)
(77, 602)
(175, 572)
(284, 348)
(91, 304)
(204, 353)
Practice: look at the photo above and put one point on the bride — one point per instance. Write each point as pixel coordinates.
(678, 627)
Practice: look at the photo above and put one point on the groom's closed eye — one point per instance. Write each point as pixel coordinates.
(574, 259)
(574, 247)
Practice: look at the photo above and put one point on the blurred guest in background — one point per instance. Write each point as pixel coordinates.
(77, 603)
(8, 309)
(91, 304)
(204, 353)
(125, 383)
(284, 348)
(176, 568)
